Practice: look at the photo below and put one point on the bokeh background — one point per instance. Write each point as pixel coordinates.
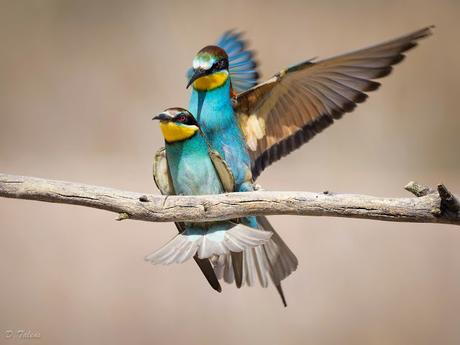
(79, 82)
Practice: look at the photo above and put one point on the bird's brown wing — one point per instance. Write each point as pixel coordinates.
(283, 113)
(161, 174)
(223, 171)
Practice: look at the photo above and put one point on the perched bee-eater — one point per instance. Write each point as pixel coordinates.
(189, 166)
(193, 168)
(251, 126)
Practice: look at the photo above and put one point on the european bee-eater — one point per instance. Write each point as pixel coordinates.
(276, 117)
(195, 169)
(189, 166)
(263, 123)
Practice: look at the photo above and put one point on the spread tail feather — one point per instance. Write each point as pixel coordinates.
(273, 260)
(204, 265)
(206, 243)
(281, 258)
(254, 266)
(207, 269)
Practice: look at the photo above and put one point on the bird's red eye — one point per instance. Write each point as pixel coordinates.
(181, 118)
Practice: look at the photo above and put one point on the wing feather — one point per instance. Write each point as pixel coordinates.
(242, 65)
(299, 102)
(161, 174)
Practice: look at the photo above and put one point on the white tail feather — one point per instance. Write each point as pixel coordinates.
(262, 266)
(281, 259)
(208, 243)
(256, 263)
(272, 260)
(223, 267)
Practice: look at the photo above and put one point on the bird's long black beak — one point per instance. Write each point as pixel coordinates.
(162, 117)
(197, 74)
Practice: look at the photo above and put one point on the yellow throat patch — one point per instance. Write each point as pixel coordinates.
(174, 132)
(210, 82)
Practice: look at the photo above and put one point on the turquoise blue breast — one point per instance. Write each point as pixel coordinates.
(214, 112)
(191, 168)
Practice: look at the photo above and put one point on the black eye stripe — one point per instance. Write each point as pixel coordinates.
(186, 119)
(220, 65)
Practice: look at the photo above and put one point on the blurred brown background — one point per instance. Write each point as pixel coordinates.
(80, 81)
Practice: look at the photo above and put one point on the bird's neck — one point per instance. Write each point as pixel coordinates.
(213, 109)
(188, 147)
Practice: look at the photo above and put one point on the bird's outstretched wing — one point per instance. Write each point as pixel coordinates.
(286, 111)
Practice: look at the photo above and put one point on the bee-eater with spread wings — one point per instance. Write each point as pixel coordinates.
(251, 126)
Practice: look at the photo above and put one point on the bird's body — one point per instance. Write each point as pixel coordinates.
(251, 126)
(284, 112)
(265, 122)
(215, 114)
(193, 168)
(212, 105)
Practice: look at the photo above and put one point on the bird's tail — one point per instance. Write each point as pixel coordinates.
(271, 261)
(218, 239)
(282, 260)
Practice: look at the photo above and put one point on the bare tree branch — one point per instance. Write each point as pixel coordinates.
(429, 206)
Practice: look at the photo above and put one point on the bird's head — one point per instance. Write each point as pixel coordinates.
(210, 69)
(177, 124)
